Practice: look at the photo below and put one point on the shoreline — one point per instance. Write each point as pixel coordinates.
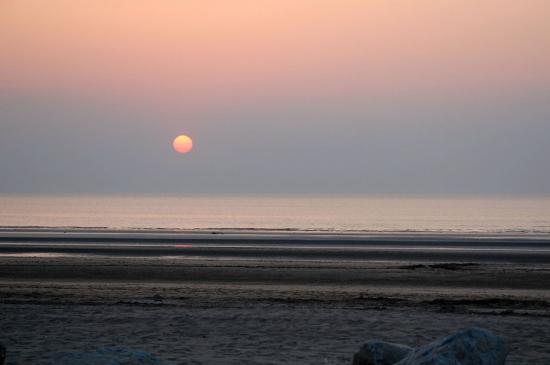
(268, 246)
(271, 232)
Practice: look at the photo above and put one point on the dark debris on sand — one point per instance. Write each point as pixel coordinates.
(441, 266)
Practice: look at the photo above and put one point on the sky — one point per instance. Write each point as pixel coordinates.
(279, 96)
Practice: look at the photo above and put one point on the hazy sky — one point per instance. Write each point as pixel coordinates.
(279, 96)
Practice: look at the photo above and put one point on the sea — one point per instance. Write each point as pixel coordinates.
(486, 215)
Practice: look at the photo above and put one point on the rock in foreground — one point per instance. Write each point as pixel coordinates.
(471, 346)
(105, 356)
(380, 353)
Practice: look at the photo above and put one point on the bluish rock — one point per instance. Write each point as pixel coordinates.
(471, 346)
(105, 356)
(380, 353)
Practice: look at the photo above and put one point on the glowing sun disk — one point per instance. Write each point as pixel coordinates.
(182, 144)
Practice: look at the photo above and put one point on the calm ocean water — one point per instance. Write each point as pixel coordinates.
(485, 215)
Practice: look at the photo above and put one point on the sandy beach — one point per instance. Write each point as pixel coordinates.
(266, 298)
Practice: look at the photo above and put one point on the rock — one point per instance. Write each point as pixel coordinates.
(105, 356)
(2, 354)
(380, 353)
(471, 346)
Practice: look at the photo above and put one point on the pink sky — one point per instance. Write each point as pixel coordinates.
(211, 52)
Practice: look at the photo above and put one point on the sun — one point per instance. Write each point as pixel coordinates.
(182, 144)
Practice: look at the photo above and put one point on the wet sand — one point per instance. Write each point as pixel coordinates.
(293, 246)
(214, 307)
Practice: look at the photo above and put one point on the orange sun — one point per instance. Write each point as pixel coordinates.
(182, 144)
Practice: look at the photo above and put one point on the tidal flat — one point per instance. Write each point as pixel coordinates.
(292, 308)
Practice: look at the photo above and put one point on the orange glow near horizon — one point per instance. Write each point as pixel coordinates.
(182, 144)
